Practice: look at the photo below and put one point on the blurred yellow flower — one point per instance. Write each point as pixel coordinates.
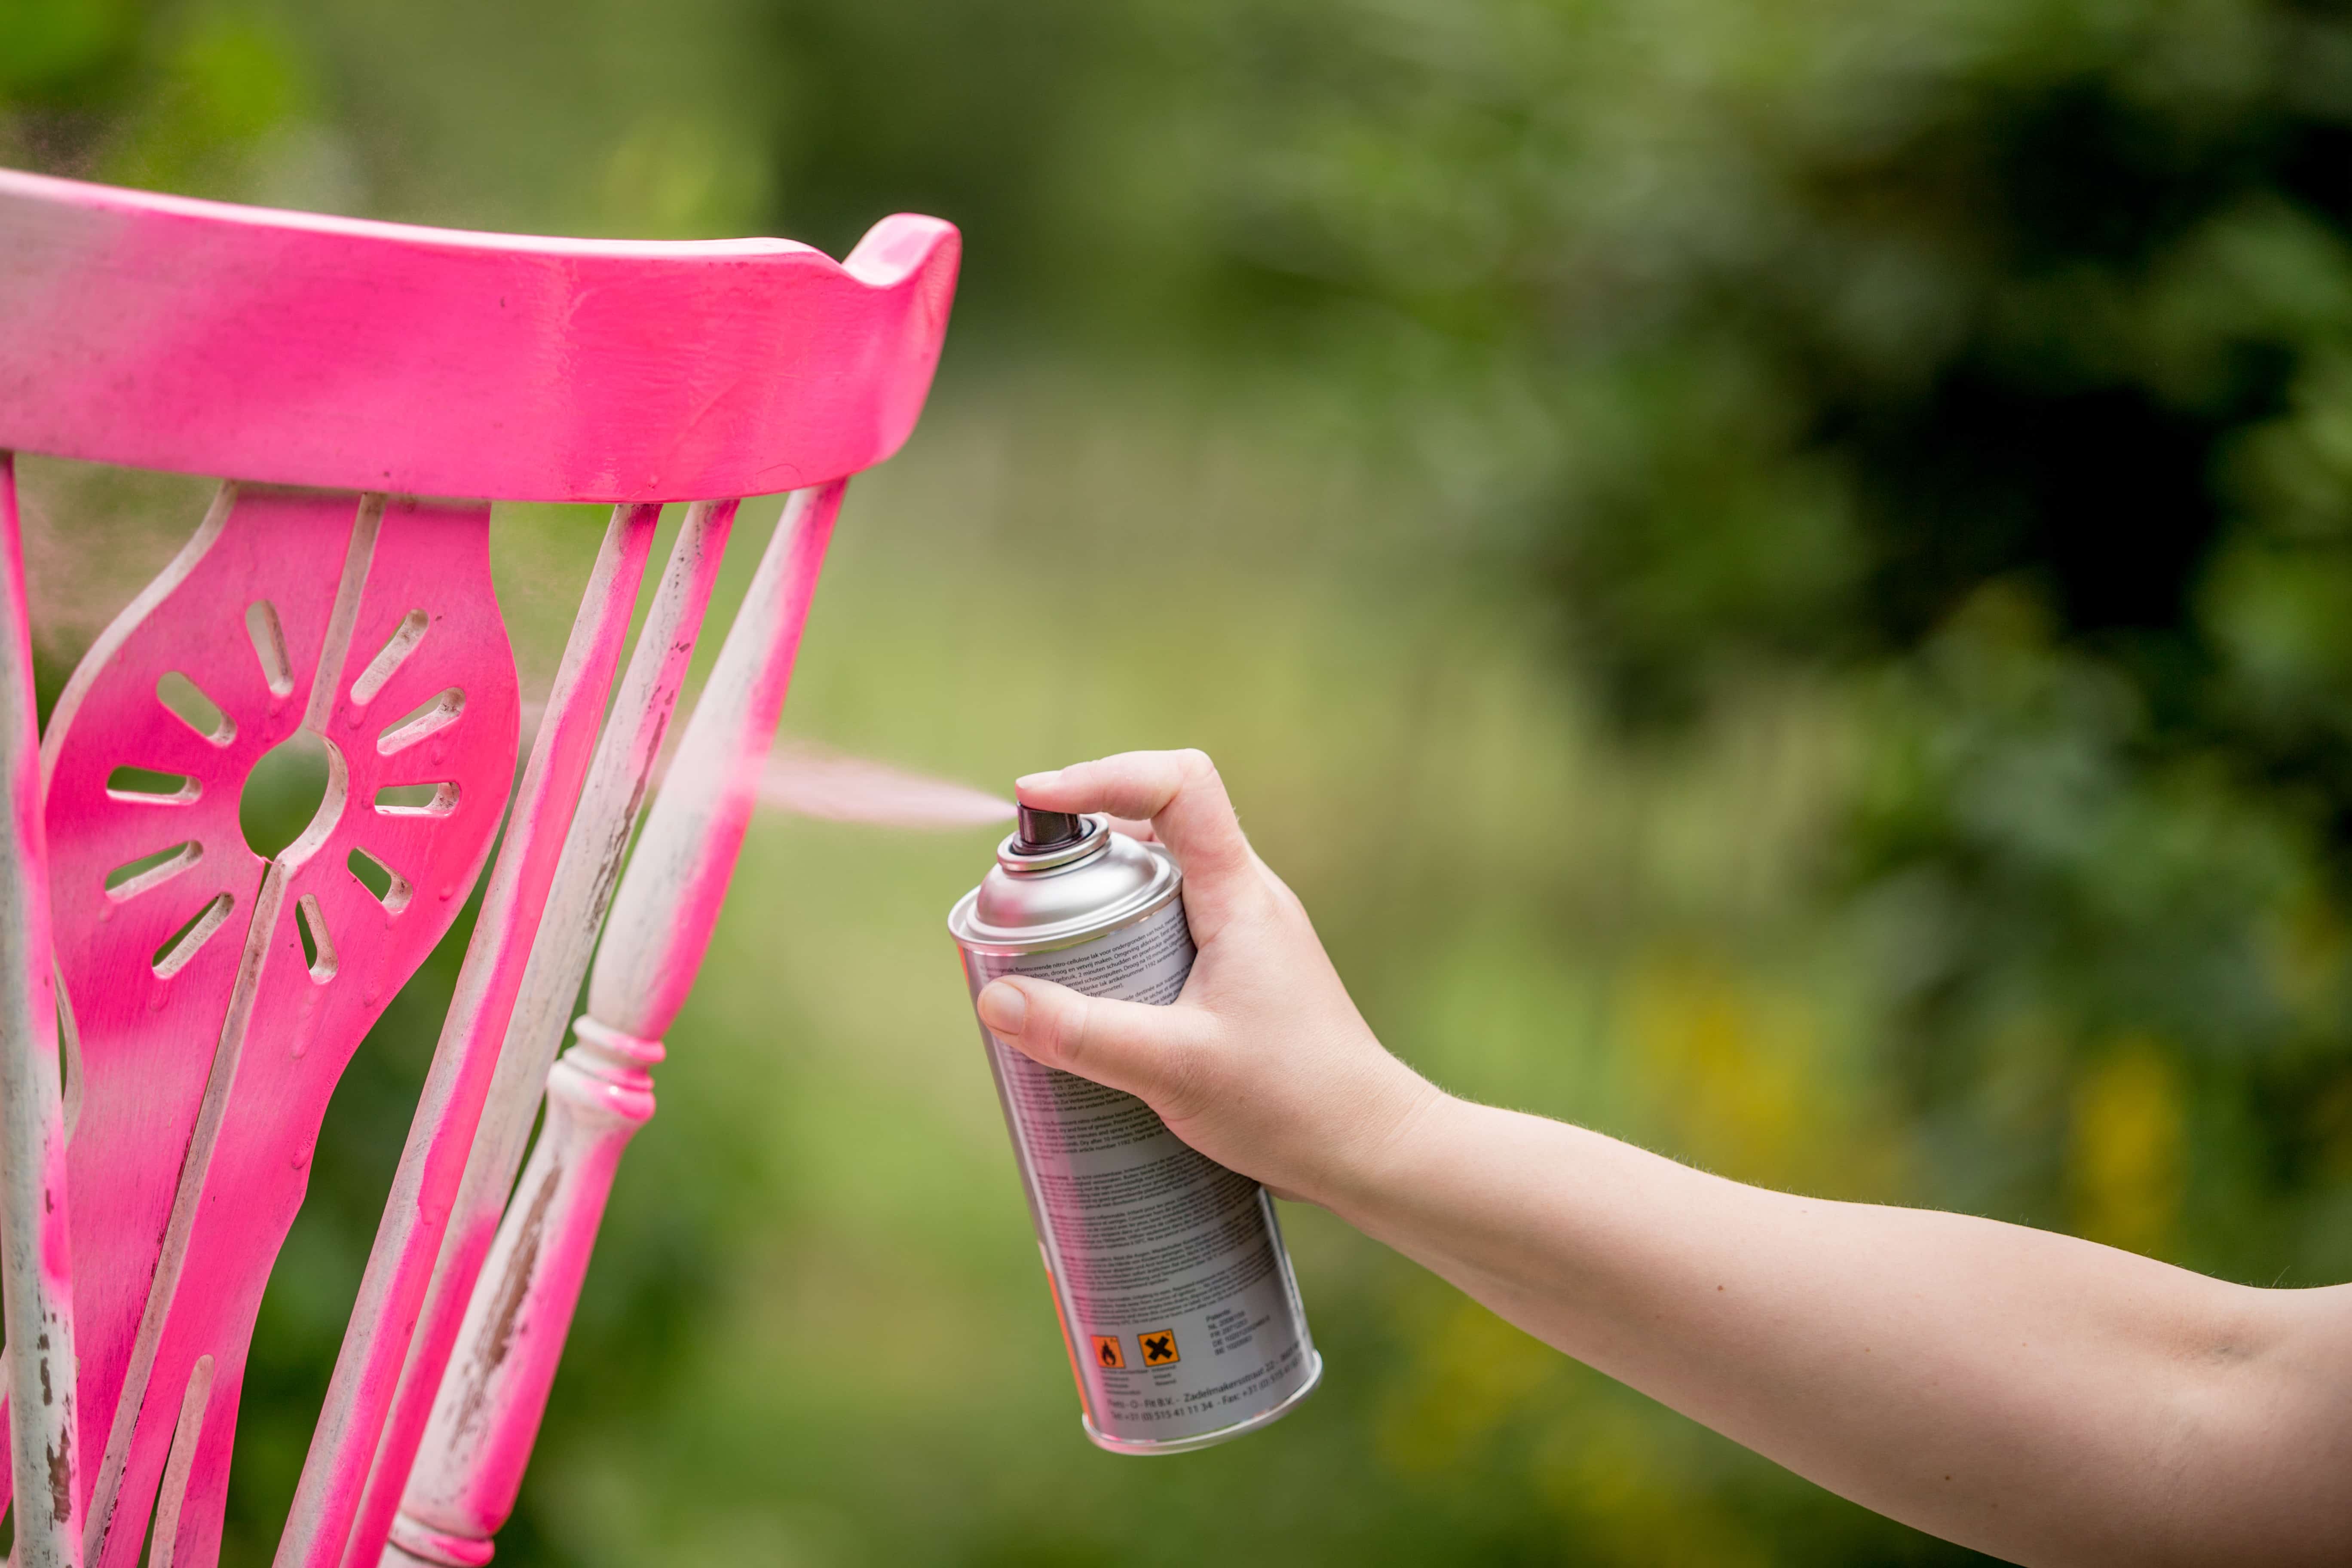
(2124, 1154)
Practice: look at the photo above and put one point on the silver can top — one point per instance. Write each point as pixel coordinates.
(1072, 881)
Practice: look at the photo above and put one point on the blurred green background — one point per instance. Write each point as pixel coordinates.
(1778, 577)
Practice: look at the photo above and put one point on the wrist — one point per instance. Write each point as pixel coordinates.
(1401, 1115)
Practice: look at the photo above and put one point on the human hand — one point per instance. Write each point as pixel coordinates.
(1263, 1063)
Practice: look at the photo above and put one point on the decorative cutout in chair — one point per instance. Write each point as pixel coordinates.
(214, 995)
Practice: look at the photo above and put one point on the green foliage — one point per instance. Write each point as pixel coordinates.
(57, 47)
(1855, 502)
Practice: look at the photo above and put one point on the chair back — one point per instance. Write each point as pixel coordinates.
(364, 390)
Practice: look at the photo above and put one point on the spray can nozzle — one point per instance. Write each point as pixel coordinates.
(1042, 830)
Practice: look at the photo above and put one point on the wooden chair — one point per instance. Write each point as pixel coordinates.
(340, 373)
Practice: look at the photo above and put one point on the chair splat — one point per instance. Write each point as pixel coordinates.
(218, 1005)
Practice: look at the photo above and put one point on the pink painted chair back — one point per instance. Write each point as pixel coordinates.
(365, 390)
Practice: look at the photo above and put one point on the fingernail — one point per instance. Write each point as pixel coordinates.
(1037, 781)
(1002, 1008)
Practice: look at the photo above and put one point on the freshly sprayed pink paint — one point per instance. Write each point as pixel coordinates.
(56, 1250)
(168, 334)
(148, 1041)
(619, 776)
(487, 1414)
(285, 349)
(425, 1187)
(251, 1060)
(649, 962)
(490, 1408)
(471, 1236)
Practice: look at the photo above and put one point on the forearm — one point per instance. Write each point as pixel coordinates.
(2040, 1397)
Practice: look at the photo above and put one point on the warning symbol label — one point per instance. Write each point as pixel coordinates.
(1107, 1354)
(1159, 1348)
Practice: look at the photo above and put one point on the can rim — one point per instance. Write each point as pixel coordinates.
(1034, 863)
(1148, 901)
(1148, 1447)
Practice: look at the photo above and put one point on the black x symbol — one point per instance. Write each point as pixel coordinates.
(1159, 1347)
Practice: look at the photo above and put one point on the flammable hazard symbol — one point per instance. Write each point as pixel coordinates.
(1107, 1354)
(1159, 1348)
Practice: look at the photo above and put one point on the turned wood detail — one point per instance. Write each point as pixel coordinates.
(487, 1416)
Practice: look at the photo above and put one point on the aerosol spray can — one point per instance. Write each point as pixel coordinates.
(1174, 1292)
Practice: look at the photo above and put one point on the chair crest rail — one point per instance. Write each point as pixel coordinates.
(163, 332)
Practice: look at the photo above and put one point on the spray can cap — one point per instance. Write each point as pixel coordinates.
(1042, 830)
(1045, 895)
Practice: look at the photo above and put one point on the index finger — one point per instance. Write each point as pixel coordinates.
(1185, 799)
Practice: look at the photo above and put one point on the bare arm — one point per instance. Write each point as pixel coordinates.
(2035, 1396)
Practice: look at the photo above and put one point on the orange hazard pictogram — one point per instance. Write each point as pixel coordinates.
(1108, 1354)
(1159, 1348)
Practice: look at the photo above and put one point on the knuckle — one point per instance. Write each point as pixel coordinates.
(1286, 898)
(1069, 1030)
(1188, 1076)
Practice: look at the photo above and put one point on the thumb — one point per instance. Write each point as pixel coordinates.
(1184, 797)
(1148, 1051)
